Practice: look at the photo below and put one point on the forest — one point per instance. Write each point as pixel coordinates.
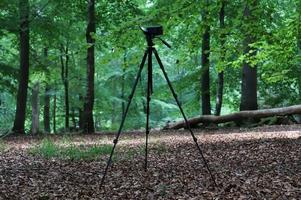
(70, 68)
(67, 70)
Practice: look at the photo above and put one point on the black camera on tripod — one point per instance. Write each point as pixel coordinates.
(153, 31)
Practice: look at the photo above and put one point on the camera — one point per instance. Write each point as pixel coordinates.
(153, 31)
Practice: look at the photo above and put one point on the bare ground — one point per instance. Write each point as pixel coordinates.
(262, 163)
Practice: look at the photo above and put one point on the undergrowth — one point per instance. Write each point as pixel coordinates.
(2, 145)
(65, 149)
(49, 149)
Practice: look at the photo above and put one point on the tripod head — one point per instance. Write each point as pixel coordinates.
(152, 32)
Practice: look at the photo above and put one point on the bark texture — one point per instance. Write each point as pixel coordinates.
(54, 114)
(46, 101)
(249, 73)
(65, 79)
(205, 77)
(123, 83)
(238, 116)
(47, 109)
(220, 81)
(20, 115)
(88, 123)
(35, 109)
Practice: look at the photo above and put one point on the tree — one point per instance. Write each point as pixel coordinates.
(54, 114)
(205, 79)
(35, 109)
(24, 68)
(64, 57)
(124, 66)
(88, 123)
(260, 38)
(249, 72)
(46, 100)
(220, 82)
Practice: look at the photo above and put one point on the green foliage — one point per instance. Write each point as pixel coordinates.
(6, 111)
(274, 28)
(47, 149)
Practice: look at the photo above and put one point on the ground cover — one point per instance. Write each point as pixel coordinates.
(262, 163)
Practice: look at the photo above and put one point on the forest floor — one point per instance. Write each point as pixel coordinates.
(257, 163)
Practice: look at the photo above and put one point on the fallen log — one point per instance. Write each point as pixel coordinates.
(237, 116)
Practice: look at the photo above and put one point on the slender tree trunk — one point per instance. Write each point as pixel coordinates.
(113, 115)
(47, 102)
(54, 114)
(67, 110)
(73, 118)
(219, 95)
(35, 109)
(65, 77)
(123, 83)
(123, 94)
(205, 80)
(249, 73)
(19, 121)
(47, 109)
(89, 100)
(220, 81)
(80, 114)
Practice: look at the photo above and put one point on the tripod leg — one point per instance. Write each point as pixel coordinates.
(184, 116)
(149, 91)
(123, 118)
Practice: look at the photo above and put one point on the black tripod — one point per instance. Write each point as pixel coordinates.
(148, 54)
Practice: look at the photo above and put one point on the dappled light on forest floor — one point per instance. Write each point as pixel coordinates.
(260, 164)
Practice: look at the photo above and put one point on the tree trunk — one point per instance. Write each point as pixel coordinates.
(35, 109)
(113, 113)
(80, 114)
(67, 110)
(73, 119)
(46, 102)
(19, 121)
(89, 100)
(238, 116)
(220, 81)
(205, 79)
(47, 109)
(65, 77)
(54, 114)
(123, 83)
(249, 73)
(219, 95)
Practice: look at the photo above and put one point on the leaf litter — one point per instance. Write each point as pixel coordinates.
(260, 163)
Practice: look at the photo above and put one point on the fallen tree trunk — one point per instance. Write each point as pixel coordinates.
(238, 116)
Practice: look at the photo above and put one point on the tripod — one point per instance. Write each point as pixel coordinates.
(148, 54)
